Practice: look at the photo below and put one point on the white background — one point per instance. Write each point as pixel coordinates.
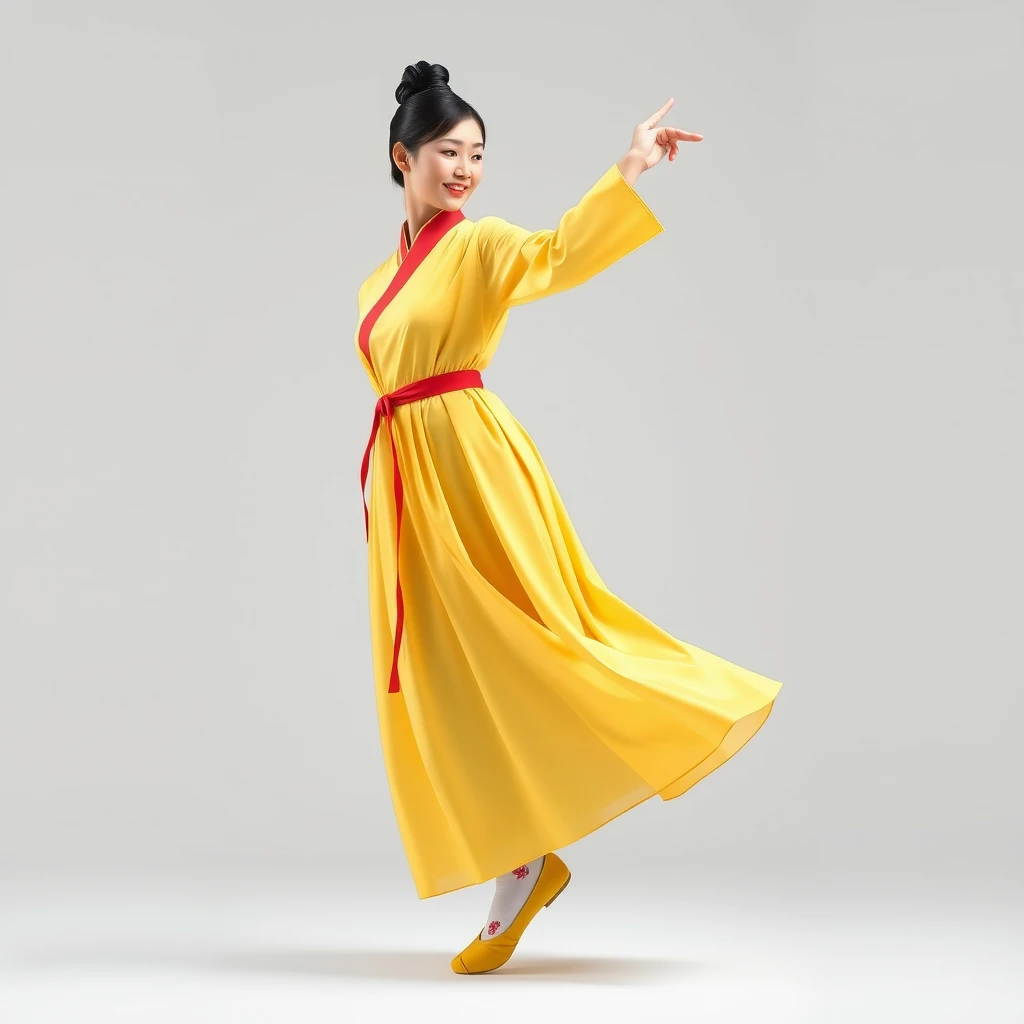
(787, 430)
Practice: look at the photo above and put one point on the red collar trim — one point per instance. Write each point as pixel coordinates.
(432, 229)
(426, 238)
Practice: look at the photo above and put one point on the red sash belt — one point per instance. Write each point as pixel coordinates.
(439, 384)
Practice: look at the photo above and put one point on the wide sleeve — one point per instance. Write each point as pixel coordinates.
(609, 222)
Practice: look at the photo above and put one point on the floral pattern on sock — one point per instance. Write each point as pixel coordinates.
(521, 872)
(493, 927)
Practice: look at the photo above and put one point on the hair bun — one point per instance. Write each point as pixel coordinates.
(421, 76)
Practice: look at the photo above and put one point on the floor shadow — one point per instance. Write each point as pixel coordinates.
(367, 965)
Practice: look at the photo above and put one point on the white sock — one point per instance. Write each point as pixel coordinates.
(510, 893)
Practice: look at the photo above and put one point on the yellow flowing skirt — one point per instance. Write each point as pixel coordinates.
(535, 705)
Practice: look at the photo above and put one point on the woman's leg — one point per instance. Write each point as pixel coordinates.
(511, 891)
(519, 895)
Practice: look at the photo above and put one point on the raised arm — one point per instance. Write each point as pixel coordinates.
(610, 221)
(519, 266)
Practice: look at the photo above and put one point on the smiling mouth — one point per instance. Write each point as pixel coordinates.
(455, 189)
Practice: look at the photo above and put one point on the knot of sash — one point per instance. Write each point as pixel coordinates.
(439, 384)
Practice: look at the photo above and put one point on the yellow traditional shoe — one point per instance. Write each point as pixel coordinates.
(483, 955)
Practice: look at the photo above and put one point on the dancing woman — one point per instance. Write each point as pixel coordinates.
(521, 703)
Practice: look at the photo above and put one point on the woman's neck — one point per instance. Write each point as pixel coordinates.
(416, 215)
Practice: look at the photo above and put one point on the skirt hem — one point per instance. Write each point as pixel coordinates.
(735, 738)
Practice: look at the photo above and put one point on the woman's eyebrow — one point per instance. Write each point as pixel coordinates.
(459, 142)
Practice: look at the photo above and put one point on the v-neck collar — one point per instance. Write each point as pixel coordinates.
(426, 238)
(434, 227)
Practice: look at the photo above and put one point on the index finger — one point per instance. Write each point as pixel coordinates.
(659, 114)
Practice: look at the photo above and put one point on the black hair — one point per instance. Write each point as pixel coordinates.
(427, 110)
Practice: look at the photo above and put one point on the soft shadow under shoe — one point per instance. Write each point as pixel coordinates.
(483, 955)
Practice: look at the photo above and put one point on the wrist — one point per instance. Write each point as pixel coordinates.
(632, 165)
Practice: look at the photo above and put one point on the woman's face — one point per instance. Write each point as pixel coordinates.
(457, 159)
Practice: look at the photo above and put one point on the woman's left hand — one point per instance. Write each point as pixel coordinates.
(651, 143)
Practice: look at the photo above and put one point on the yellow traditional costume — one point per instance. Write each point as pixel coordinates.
(521, 703)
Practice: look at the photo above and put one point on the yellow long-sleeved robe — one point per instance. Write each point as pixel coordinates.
(535, 705)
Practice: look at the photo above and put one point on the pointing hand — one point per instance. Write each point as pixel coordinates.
(651, 143)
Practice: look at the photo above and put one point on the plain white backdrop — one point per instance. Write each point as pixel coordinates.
(788, 430)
